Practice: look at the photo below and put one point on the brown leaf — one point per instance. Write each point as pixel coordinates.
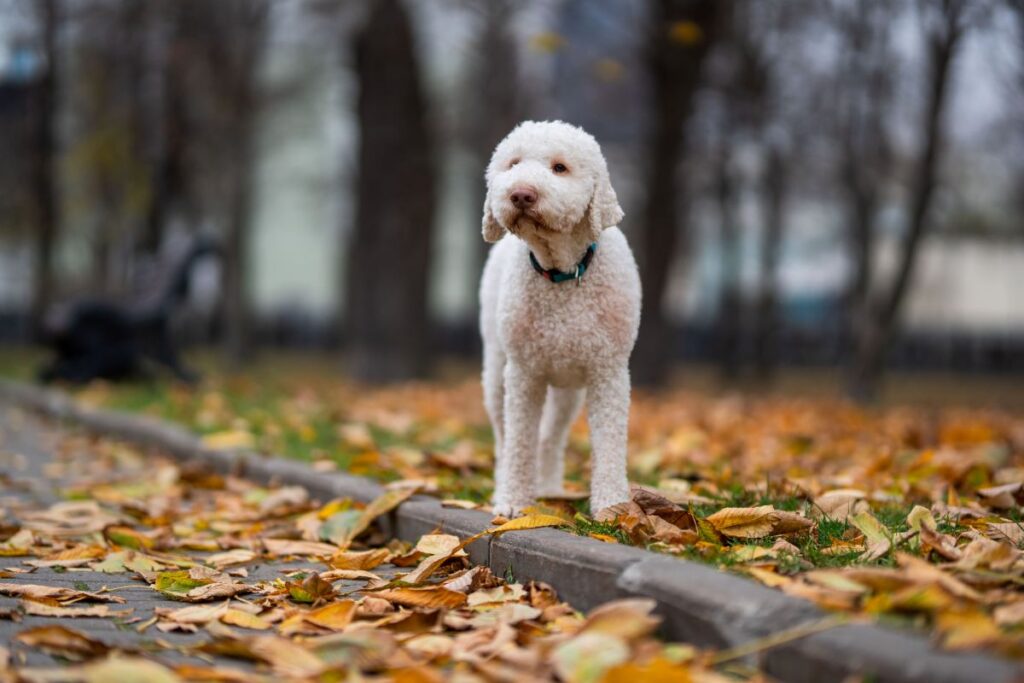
(839, 504)
(665, 532)
(313, 589)
(790, 523)
(657, 505)
(1005, 497)
(365, 560)
(63, 642)
(73, 557)
(39, 592)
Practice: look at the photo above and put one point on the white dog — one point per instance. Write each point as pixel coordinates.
(560, 308)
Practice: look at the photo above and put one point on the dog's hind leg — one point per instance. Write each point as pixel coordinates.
(494, 398)
(560, 410)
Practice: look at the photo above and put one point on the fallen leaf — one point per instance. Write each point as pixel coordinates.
(230, 558)
(42, 609)
(753, 522)
(528, 522)
(430, 597)
(876, 536)
(63, 642)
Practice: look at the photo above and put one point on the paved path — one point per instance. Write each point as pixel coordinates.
(37, 460)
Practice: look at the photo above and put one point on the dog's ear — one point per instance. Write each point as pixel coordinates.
(492, 229)
(604, 211)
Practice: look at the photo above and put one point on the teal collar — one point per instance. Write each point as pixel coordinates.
(555, 275)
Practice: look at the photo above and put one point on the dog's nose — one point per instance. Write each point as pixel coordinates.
(523, 197)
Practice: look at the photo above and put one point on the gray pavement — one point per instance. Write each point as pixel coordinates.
(38, 459)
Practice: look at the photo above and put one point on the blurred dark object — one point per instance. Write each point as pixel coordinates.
(107, 340)
(386, 309)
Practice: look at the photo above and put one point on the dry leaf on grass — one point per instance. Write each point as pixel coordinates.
(754, 522)
(876, 537)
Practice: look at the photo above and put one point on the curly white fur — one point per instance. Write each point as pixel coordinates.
(547, 344)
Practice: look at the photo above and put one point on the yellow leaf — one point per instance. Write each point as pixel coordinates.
(384, 503)
(659, 670)
(431, 597)
(876, 536)
(529, 522)
(236, 617)
(966, 630)
(754, 522)
(229, 440)
(333, 617)
(365, 560)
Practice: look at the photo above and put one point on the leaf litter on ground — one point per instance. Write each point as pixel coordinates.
(430, 617)
(814, 497)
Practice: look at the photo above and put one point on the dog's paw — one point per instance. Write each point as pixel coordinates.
(509, 510)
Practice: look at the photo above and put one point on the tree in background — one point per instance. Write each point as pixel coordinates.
(862, 104)
(386, 310)
(496, 101)
(754, 118)
(682, 31)
(109, 173)
(945, 23)
(45, 202)
(217, 54)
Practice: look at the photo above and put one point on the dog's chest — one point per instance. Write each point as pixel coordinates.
(564, 330)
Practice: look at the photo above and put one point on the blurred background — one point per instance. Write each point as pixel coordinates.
(824, 184)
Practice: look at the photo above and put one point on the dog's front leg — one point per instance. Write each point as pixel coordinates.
(516, 480)
(608, 415)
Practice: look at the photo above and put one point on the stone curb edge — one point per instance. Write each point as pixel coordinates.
(698, 604)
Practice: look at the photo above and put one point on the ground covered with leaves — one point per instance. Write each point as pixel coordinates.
(121, 565)
(908, 514)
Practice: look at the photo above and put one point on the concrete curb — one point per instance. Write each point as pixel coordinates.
(699, 604)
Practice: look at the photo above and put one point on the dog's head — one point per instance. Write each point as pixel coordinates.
(548, 176)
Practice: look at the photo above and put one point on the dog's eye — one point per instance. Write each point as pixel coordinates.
(559, 168)
(513, 163)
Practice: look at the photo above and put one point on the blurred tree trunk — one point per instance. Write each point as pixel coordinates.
(250, 25)
(386, 312)
(774, 198)
(866, 89)
(682, 33)
(728, 321)
(168, 157)
(874, 338)
(44, 171)
(497, 98)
